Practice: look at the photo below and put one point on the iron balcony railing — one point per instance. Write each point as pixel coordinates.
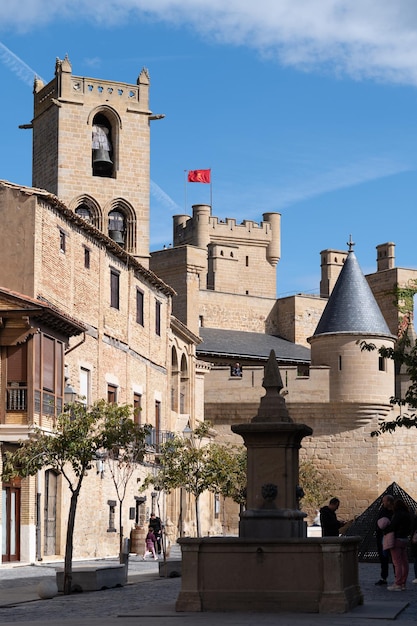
(155, 438)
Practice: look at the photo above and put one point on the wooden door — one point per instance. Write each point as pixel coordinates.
(11, 523)
(51, 482)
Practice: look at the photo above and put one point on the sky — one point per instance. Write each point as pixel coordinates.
(303, 107)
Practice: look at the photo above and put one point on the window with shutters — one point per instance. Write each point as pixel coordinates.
(112, 394)
(48, 375)
(16, 366)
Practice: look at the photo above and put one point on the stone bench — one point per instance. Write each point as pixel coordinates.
(91, 578)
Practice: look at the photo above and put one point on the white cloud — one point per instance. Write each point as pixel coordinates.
(163, 198)
(341, 177)
(17, 66)
(374, 39)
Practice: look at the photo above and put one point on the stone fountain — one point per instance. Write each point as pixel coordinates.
(272, 566)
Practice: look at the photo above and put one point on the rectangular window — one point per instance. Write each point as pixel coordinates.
(137, 407)
(86, 258)
(157, 317)
(85, 384)
(114, 288)
(139, 307)
(48, 375)
(340, 362)
(382, 364)
(157, 424)
(62, 241)
(112, 394)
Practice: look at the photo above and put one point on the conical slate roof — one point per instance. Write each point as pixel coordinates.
(352, 307)
(365, 524)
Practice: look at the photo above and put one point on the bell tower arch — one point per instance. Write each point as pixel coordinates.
(91, 140)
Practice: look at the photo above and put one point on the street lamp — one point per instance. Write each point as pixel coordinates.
(187, 432)
(70, 395)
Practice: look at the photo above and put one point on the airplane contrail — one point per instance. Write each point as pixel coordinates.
(17, 66)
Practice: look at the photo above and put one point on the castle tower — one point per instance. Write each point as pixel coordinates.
(331, 264)
(91, 148)
(224, 273)
(352, 315)
(385, 256)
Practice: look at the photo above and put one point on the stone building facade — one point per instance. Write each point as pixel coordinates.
(77, 245)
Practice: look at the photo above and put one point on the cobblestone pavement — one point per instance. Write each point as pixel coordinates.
(150, 599)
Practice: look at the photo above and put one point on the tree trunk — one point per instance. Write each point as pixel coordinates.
(69, 542)
(197, 515)
(120, 531)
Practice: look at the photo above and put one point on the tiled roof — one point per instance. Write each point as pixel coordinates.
(237, 344)
(352, 307)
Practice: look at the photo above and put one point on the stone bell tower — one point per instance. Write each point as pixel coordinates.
(91, 148)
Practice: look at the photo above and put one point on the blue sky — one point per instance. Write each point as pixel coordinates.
(305, 107)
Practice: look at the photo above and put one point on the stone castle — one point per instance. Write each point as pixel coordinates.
(86, 307)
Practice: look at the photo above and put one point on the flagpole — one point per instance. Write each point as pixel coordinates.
(211, 191)
(185, 192)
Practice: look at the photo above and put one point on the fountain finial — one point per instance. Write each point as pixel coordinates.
(272, 407)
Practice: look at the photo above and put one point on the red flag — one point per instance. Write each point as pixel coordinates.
(199, 176)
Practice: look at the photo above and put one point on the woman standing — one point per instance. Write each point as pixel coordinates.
(401, 527)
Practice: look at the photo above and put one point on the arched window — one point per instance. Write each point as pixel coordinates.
(117, 227)
(101, 145)
(184, 390)
(84, 212)
(174, 380)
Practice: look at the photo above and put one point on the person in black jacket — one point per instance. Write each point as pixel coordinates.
(414, 546)
(401, 526)
(156, 524)
(330, 525)
(386, 510)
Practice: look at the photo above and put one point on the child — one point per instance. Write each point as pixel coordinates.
(150, 540)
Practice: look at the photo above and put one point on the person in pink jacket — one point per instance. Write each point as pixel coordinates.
(150, 541)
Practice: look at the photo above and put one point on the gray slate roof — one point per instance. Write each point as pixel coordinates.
(237, 344)
(352, 307)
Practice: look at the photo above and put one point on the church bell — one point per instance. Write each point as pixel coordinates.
(101, 160)
(117, 236)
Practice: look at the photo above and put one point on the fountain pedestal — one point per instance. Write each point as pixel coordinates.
(272, 566)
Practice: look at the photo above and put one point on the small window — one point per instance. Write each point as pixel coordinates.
(236, 370)
(85, 386)
(86, 258)
(112, 394)
(201, 321)
(139, 306)
(382, 364)
(158, 317)
(247, 261)
(62, 241)
(137, 407)
(303, 371)
(340, 362)
(114, 289)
